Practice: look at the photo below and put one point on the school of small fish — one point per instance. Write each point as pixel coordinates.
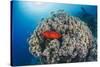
(61, 38)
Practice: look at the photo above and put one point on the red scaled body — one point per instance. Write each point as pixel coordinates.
(51, 35)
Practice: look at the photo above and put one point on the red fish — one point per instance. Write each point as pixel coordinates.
(51, 35)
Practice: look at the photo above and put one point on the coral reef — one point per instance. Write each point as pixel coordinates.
(77, 43)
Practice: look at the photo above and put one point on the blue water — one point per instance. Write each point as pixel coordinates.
(27, 15)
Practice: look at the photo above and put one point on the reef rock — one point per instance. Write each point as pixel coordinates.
(77, 43)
